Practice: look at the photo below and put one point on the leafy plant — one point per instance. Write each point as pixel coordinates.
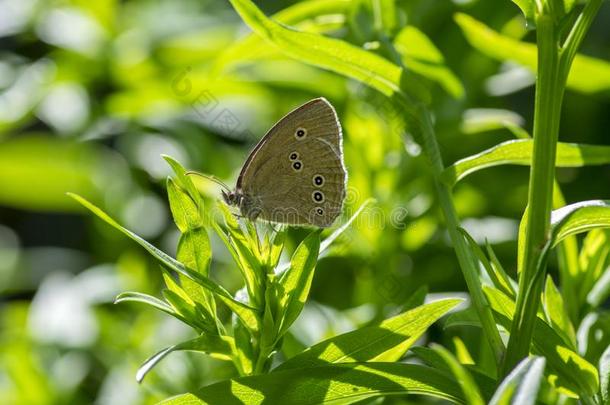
(542, 337)
(262, 312)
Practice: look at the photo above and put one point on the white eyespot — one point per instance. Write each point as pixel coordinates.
(318, 180)
(320, 211)
(297, 165)
(300, 133)
(293, 156)
(317, 196)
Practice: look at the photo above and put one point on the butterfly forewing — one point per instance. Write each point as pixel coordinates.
(296, 173)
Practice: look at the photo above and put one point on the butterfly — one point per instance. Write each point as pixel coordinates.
(295, 174)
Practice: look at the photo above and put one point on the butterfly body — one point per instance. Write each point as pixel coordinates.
(295, 174)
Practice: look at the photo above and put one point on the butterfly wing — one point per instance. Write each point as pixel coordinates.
(296, 174)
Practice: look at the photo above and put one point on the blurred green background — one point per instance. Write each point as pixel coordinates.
(93, 92)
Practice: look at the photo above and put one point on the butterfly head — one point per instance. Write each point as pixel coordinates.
(231, 197)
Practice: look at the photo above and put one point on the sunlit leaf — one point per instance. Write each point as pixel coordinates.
(519, 152)
(522, 384)
(329, 53)
(600, 290)
(588, 75)
(593, 260)
(604, 372)
(387, 341)
(247, 314)
(528, 8)
(579, 217)
(295, 283)
(220, 347)
(339, 383)
(467, 384)
(556, 313)
(252, 46)
(570, 372)
(497, 275)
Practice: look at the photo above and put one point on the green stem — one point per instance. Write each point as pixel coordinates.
(554, 62)
(549, 93)
(467, 261)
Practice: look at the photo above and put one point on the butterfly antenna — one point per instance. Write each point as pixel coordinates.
(209, 177)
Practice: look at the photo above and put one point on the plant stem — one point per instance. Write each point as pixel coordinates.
(467, 261)
(554, 62)
(549, 93)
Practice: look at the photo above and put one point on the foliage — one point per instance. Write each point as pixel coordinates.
(93, 93)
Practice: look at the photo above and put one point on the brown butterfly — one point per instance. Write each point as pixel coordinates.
(295, 174)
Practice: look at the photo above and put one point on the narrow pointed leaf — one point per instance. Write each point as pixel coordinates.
(522, 384)
(249, 315)
(340, 383)
(329, 53)
(528, 8)
(152, 301)
(604, 373)
(217, 346)
(295, 283)
(579, 217)
(556, 313)
(519, 152)
(387, 341)
(499, 279)
(252, 46)
(469, 388)
(572, 372)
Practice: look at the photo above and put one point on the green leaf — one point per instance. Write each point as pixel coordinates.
(557, 316)
(604, 374)
(528, 8)
(174, 287)
(499, 279)
(194, 252)
(184, 181)
(244, 250)
(571, 373)
(252, 47)
(466, 317)
(478, 120)
(294, 284)
(415, 299)
(588, 75)
(194, 249)
(519, 152)
(600, 291)
(420, 55)
(246, 313)
(329, 53)
(187, 310)
(434, 359)
(579, 217)
(184, 210)
(152, 301)
(145, 299)
(522, 384)
(593, 259)
(220, 347)
(467, 384)
(387, 341)
(340, 383)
